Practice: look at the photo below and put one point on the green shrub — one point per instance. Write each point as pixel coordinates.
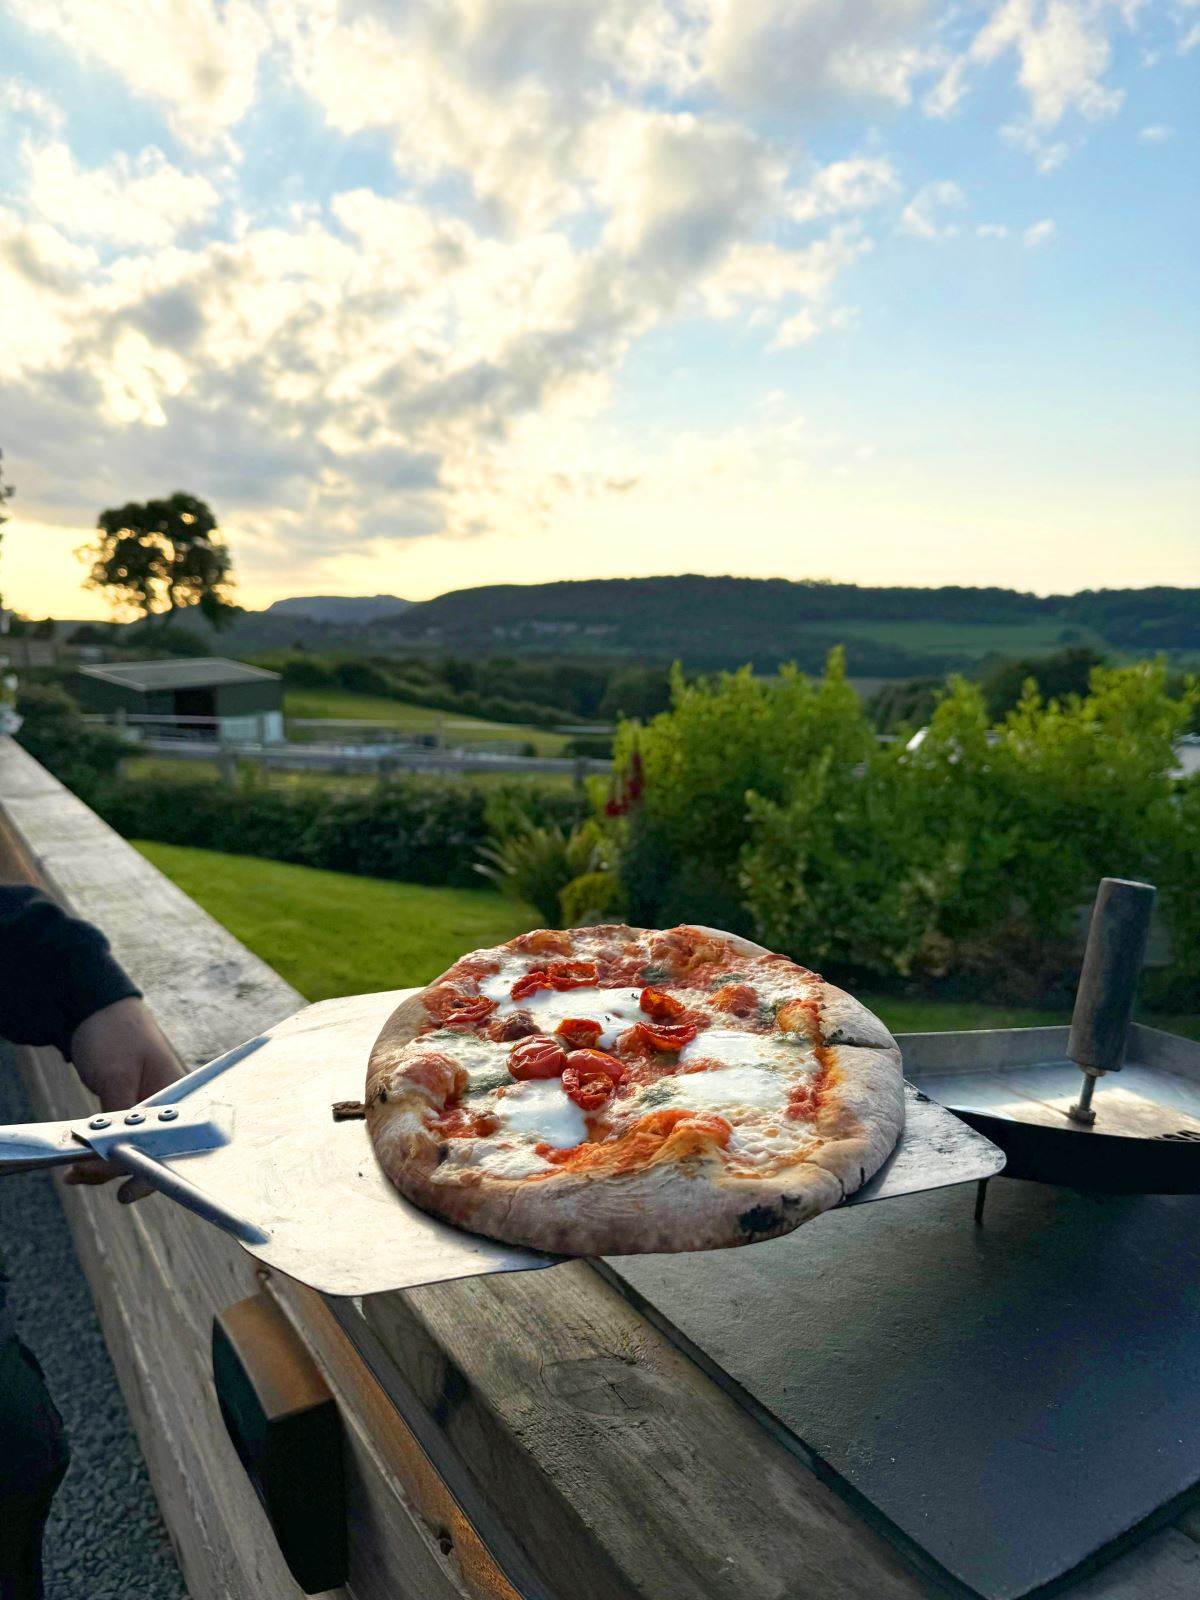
(769, 807)
(510, 807)
(536, 864)
(725, 737)
(421, 830)
(54, 733)
(591, 897)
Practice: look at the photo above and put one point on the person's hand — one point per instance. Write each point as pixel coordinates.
(121, 1055)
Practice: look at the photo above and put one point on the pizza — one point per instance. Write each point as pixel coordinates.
(612, 1090)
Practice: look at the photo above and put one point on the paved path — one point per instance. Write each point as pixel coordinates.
(106, 1540)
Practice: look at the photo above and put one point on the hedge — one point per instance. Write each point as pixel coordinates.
(419, 830)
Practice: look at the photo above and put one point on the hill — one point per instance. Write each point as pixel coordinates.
(711, 622)
(893, 632)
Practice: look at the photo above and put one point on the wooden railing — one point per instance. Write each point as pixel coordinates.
(528, 1435)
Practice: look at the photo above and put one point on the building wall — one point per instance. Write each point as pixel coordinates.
(249, 699)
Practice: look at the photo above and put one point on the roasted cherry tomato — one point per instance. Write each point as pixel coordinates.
(537, 1057)
(537, 979)
(470, 1014)
(590, 1076)
(573, 974)
(665, 1035)
(444, 999)
(579, 1032)
(661, 1006)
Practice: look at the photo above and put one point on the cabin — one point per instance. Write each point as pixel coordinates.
(205, 697)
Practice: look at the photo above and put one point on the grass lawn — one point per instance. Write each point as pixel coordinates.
(415, 719)
(331, 933)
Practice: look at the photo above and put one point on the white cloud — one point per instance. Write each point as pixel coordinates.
(925, 214)
(991, 230)
(810, 322)
(1048, 154)
(198, 59)
(145, 201)
(23, 103)
(1063, 52)
(857, 184)
(796, 55)
(1156, 133)
(1039, 233)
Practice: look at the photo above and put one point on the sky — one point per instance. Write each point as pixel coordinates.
(426, 295)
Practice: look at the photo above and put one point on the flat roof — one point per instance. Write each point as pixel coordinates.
(180, 672)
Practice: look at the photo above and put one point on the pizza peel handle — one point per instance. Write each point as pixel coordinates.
(1112, 965)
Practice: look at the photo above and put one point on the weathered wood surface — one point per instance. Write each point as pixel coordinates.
(624, 1473)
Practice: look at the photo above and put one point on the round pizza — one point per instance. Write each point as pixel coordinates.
(609, 1090)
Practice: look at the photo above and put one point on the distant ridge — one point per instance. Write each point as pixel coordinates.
(339, 607)
(721, 621)
(715, 622)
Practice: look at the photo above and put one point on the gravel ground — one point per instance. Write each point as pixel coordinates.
(105, 1540)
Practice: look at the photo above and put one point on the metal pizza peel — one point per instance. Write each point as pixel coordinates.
(249, 1143)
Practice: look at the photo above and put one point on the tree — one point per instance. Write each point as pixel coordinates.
(1067, 672)
(161, 557)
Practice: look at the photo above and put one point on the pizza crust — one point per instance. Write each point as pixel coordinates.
(674, 1205)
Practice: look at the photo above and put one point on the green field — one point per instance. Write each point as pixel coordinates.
(158, 769)
(324, 703)
(330, 933)
(974, 639)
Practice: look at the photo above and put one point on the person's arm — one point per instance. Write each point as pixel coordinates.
(55, 970)
(60, 984)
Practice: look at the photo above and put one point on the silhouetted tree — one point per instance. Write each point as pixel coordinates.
(163, 556)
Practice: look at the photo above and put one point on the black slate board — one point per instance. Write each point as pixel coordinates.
(1015, 1399)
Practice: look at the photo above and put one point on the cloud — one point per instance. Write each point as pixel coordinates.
(23, 103)
(1063, 53)
(144, 201)
(1156, 133)
(1039, 233)
(991, 230)
(925, 215)
(809, 322)
(858, 184)
(197, 60)
(1048, 154)
(798, 55)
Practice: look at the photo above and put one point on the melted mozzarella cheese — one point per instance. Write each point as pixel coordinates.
(482, 1058)
(508, 1160)
(727, 1090)
(540, 1109)
(736, 1048)
(614, 1009)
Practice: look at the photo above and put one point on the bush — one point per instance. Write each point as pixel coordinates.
(536, 864)
(511, 806)
(770, 808)
(725, 738)
(592, 897)
(421, 830)
(55, 734)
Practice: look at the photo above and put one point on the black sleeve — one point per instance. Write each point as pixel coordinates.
(55, 970)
